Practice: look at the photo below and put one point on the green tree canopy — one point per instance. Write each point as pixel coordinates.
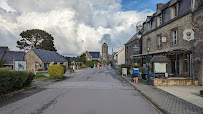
(36, 39)
(82, 58)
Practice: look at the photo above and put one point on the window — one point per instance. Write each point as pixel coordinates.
(148, 44)
(175, 37)
(174, 11)
(149, 25)
(159, 19)
(61, 63)
(159, 41)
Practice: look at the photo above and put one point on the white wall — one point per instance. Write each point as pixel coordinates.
(121, 55)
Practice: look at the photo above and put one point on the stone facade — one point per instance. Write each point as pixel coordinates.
(129, 50)
(88, 56)
(198, 44)
(166, 31)
(175, 82)
(33, 62)
(105, 54)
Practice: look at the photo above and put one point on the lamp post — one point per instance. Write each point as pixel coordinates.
(148, 65)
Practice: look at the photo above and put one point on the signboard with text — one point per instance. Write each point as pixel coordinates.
(20, 65)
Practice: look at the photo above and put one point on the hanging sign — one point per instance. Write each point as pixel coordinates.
(188, 34)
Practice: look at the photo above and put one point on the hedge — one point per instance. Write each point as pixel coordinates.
(91, 63)
(14, 80)
(64, 68)
(56, 71)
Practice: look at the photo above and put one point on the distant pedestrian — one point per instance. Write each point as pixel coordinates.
(135, 73)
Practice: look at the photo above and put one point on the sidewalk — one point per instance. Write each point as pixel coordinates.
(165, 101)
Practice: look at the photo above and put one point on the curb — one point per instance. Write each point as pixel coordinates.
(149, 100)
(16, 92)
(23, 90)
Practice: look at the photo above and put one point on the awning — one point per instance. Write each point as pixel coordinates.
(161, 52)
(159, 59)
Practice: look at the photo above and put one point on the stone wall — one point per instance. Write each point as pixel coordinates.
(198, 45)
(166, 31)
(31, 58)
(175, 82)
(129, 51)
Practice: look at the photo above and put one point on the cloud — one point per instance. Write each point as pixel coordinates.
(76, 25)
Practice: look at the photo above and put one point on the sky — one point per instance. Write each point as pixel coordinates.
(76, 25)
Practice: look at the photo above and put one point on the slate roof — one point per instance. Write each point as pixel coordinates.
(135, 36)
(49, 56)
(74, 59)
(2, 51)
(160, 59)
(9, 56)
(95, 54)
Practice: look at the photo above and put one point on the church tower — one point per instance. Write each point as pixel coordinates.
(105, 53)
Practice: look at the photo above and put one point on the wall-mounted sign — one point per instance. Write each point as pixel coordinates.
(163, 39)
(188, 34)
(160, 67)
(136, 46)
(20, 65)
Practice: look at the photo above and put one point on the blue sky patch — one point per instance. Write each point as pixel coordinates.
(139, 5)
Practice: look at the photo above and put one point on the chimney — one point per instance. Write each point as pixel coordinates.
(159, 5)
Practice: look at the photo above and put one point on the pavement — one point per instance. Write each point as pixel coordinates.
(188, 93)
(89, 91)
(167, 102)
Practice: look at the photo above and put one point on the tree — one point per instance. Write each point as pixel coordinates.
(36, 39)
(82, 58)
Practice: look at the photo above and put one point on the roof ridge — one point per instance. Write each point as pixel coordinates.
(14, 51)
(45, 50)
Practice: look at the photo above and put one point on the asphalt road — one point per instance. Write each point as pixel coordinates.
(92, 91)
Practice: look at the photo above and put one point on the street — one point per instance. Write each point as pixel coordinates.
(88, 91)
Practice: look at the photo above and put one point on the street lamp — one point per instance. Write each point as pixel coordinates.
(148, 64)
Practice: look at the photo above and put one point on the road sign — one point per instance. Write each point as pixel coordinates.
(188, 34)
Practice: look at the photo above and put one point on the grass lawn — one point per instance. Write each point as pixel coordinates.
(46, 78)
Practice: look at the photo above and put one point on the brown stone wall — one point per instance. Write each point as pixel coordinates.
(175, 82)
(180, 24)
(198, 45)
(31, 58)
(129, 51)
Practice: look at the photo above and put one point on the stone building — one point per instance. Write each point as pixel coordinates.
(163, 36)
(198, 42)
(105, 54)
(42, 59)
(9, 57)
(93, 56)
(133, 47)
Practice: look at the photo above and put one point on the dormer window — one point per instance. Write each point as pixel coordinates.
(174, 11)
(159, 19)
(149, 25)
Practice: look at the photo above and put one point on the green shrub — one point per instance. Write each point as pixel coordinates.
(56, 71)
(14, 80)
(40, 69)
(64, 68)
(91, 63)
(201, 92)
(141, 69)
